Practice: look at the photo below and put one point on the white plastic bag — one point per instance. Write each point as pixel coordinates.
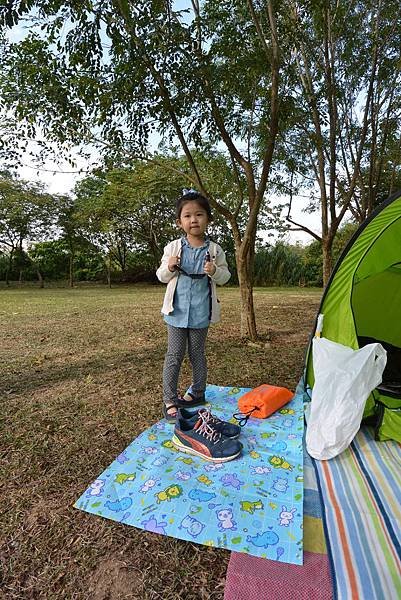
(344, 378)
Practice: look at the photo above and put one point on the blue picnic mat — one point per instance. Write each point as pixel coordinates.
(253, 504)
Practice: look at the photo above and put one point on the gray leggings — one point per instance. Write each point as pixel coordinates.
(177, 338)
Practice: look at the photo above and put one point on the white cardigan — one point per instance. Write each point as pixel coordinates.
(221, 276)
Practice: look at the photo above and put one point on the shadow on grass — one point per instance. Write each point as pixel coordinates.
(32, 379)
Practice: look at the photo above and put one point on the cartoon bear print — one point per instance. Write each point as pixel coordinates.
(226, 520)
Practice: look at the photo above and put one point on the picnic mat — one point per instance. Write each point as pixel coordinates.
(252, 578)
(361, 491)
(253, 504)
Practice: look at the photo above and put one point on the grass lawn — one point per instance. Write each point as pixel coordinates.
(80, 377)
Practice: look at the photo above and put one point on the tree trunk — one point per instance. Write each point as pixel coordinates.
(327, 259)
(9, 267)
(71, 271)
(245, 278)
(248, 322)
(109, 271)
(40, 279)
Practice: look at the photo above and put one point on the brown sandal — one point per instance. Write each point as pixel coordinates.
(183, 403)
(170, 418)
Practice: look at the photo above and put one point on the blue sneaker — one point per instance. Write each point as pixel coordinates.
(229, 430)
(201, 439)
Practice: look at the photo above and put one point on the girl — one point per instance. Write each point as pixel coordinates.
(191, 266)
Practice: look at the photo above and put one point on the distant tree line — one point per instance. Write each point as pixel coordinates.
(278, 264)
(115, 226)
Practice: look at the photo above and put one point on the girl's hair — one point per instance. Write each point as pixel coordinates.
(193, 197)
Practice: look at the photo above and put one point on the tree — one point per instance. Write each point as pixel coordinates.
(121, 72)
(381, 177)
(25, 215)
(69, 228)
(346, 108)
(53, 258)
(137, 205)
(133, 209)
(281, 264)
(93, 223)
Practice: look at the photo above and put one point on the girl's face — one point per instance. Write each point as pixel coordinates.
(193, 219)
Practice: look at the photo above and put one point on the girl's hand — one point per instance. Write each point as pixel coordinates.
(173, 262)
(209, 268)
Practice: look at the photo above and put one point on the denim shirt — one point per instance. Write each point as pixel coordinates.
(192, 296)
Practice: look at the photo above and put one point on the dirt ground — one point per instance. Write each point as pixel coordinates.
(80, 377)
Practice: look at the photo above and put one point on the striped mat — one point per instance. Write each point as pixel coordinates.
(361, 492)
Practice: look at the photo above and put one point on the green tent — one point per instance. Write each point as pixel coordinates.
(362, 304)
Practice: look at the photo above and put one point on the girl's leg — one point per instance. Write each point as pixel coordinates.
(197, 356)
(176, 347)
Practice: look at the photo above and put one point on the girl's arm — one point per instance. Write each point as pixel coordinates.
(163, 273)
(222, 274)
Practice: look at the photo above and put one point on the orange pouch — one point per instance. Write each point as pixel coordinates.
(264, 400)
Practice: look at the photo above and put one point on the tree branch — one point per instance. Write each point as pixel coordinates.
(307, 84)
(163, 90)
(299, 225)
(259, 28)
(329, 67)
(365, 124)
(170, 109)
(273, 131)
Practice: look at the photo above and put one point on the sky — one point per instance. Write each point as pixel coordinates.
(58, 177)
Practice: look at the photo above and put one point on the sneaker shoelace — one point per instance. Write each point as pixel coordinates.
(209, 417)
(204, 428)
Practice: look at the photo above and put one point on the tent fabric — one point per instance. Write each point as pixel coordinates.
(363, 295)
(374, 248)
(383, 324)
(386, 250)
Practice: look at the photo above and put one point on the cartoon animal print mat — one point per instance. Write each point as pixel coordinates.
(253, 504)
